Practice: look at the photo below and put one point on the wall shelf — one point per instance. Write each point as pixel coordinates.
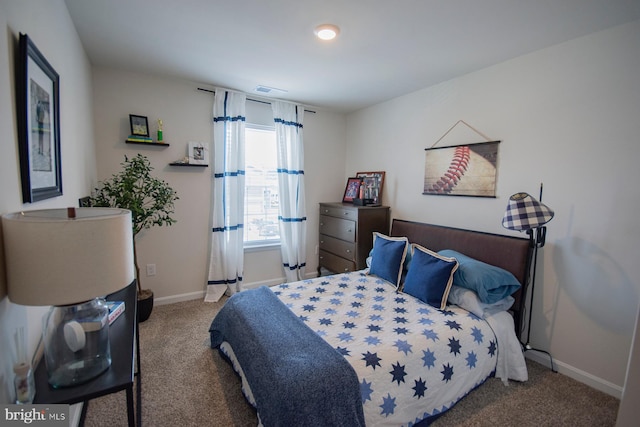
(187, 164)
(160, 144)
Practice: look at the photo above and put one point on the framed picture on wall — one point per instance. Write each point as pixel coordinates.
(462, 170)
(38, 111)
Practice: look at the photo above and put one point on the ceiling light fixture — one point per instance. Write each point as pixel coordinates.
(327, 31)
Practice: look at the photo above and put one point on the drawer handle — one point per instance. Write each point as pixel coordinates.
(321, 224)
(321, 241)
(346, 269)
(326, 211)
(349, 230)
(348, 251)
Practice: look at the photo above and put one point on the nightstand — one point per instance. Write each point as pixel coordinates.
(125, 360)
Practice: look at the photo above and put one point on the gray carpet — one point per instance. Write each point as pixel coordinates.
(186, 383)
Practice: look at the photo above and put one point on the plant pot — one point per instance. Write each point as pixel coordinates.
(145, 304)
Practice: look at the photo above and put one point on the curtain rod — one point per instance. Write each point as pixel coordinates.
(250, 99)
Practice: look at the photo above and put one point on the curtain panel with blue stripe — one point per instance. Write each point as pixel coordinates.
(288, 120)
(226, 262)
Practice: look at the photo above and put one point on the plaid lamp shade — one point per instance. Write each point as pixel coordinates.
(524, 213)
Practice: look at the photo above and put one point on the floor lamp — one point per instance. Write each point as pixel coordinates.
(525, 213)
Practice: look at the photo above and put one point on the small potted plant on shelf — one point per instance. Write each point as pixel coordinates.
(151, 202)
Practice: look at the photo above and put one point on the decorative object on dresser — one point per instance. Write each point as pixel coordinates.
(151, 201)
(346, 235)
(371, 192)
(70, 258)
(38, 114)
(351, 191)
(525, 213)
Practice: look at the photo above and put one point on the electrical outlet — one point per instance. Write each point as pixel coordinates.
(151, 269)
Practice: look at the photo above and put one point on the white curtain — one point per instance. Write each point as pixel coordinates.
(227, 253)
(293, 219)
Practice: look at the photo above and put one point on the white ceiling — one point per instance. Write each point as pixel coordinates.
(386, 48)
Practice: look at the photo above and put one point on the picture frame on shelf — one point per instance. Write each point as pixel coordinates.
(38, 114)
(351, 190)
(139, 125)
(374, 183)
(198, 153)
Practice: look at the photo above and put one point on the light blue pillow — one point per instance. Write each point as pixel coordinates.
(467, 299)
(430, 276)
(489, 282)
(388, 256)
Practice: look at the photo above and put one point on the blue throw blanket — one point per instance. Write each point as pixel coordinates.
(296, 378)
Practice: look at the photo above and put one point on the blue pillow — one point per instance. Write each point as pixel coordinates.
(491, 283)
(388, 256)
(405, 266)
(430, 276)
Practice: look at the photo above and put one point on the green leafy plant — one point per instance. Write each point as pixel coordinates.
(150, 200)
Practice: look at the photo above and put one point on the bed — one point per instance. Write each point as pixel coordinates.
(370, 347)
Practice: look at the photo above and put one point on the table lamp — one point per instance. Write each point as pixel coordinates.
(69, 259)
(525, 213)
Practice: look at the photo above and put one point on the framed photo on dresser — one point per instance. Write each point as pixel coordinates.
(373, 182)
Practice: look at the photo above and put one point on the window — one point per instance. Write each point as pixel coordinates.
(261, 200)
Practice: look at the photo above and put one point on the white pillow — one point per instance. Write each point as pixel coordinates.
(469, 300)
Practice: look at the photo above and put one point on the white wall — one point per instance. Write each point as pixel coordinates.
(48, 24)
(567, 116)
(180, 251)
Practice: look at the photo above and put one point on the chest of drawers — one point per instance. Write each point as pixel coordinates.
(346, 235)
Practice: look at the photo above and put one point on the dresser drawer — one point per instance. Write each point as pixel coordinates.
(338, 247)
(335, 263)
(339, 228)
(339, 212)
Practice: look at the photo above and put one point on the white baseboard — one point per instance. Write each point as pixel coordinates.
(179, 298)
(270, 282)
(200, 294)
(577, 374)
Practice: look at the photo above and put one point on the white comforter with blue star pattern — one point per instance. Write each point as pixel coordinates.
(413, 361)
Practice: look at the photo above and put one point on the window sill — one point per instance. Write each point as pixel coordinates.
(261, 247)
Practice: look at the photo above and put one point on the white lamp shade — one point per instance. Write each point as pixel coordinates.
(55, 260)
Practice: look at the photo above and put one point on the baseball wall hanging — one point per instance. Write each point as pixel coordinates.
(462, 170)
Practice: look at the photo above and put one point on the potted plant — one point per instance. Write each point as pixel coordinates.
(151, 202)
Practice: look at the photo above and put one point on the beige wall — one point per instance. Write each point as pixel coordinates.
(180, 251)
(48, 24)
(567, 116)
